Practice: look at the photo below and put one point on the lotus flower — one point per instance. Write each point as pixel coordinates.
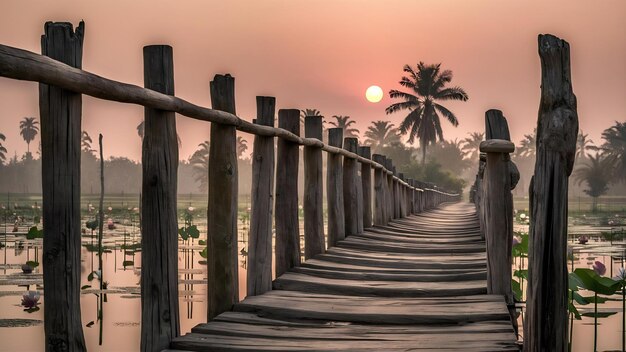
(516, 240)
(191, 208)
(583, 239)
(599, 268)
(621, 275)
(522, 216)
(110, 224)
(30, 299)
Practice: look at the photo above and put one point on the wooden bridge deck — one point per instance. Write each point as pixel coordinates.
(417, 284)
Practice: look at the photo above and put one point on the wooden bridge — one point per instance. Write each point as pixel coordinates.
(418, 283)
(401, 264)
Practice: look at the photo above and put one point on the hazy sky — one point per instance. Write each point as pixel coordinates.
(324, 54)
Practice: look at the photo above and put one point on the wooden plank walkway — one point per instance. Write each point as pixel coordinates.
(417, 284)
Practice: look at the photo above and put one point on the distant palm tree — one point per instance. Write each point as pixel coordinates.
(29, 129)
(614, 147)
(381, 134)
(596, 172)
(3, 150)
(242, 146)
(528, 145)
(200, 163)
(471, 145)
(310, 112)
(85, 142)
(583, 144)
(345, 122)
(427, 83)
(140, 129)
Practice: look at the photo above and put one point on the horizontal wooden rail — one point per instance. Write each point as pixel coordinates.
(25, 65)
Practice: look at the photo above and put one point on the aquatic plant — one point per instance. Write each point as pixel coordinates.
(30, 301)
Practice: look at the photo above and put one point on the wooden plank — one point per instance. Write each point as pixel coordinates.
(259, 271)
(60, 112)
(314, 243)
(350, 184)
(222, 253)
(286, 211)
(557, 129)
(334, 189)
(159, 226)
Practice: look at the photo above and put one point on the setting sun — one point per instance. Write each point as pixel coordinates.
(374, 94)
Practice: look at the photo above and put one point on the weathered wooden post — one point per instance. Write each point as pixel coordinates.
(259, 275)
(350, 182)
(286, 208)
(390, 194)
(380, 216)
(222, 252)
(366, 185)
(334, 189)
(498, 207)
(557, 129)
(60, 111)
(359, 196)
(160, 321)
(411, 200)
(396, 194)
(313, 192)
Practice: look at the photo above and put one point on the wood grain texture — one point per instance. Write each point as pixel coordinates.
(380, 217)
(314, 242)
(60, 112)
(259, 275)
(366, 187)
(350, 184)
(557, 128)
(222, 256)
(286, 209)
(160, 321)
(334, 189)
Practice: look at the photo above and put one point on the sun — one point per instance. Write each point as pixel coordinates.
(374, 94)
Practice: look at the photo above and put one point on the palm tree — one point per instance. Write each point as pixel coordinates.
(450, 156)
(200, 163)
(614, 147)
(29, 129)
(528, 145)
(85, 142)
(596, 172)
(3, 150)
(309, 112)
(583, 144)
(381, 134)
(427, 83)
(242, 146)
(471, 145)
(345, 122)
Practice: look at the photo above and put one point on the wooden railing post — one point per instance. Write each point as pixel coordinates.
(498, 206)
(359, 196)
(259, 275)
(411, 200)
(390, 195)
(547, 306)
(396, 194)
(286, 208)
(334, 189)
(350, 182)
(222, 251)
(313, 192)
(60, 112)
(160, 321)
(380, 182)
(366, 185)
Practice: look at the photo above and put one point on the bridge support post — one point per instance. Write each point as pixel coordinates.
(334, 189)
(222, 252)
(314, 243)
(287, 246)
(259, 275)
(60, 112)
(350, 193)
(359, 195)
(366, 185)
(160, 321)
(380, 182)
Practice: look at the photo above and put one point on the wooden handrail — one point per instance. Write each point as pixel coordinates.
(25, 65)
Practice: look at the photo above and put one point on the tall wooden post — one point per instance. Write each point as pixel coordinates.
(379, 192)
(286, 211)
(401, 190)
(391, 195)
(411, 200)
(498, 207)
(334, 189)
(359, 196)
(396, 194)
(350, 181)
(160, 321)
(259, 276)
(313, 192)
(222, 258)
(557, 129)
(60, 112)
(366, 186)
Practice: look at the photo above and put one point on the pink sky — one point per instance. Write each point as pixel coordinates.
(324, 54)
